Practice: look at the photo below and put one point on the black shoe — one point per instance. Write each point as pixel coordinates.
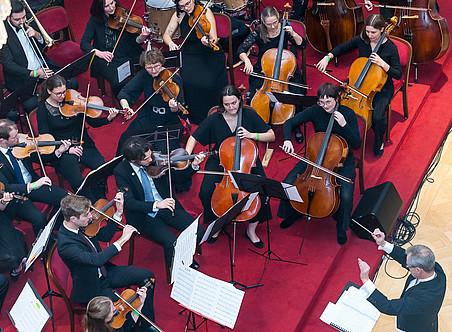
(258, 245)
(14, 275)
(289, 221)
(194, 265)
(212, 240)
(341, 237)
(378, 151)
(298, 135)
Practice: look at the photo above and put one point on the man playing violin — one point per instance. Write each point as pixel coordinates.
(345, 126)
(19, 176)
(148, 203)
(20, 61)
(92, 273)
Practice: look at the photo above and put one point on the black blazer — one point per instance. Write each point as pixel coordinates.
(15, 63)
(418, 307)
(83, 262)
(9, 178)
(135, 206)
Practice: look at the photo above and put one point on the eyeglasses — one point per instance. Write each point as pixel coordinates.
(325, 103)
(185, 6)
(271, 25)
(59, 94)
(111, 4)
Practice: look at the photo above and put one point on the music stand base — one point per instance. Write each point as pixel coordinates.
(191, 321)
(267, 255)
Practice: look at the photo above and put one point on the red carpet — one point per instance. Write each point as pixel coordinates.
(293, 296)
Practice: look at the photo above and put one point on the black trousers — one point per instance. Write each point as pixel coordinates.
(343, 213)
(125, 276)
(4, 285)
(157, 228)
(379, 120)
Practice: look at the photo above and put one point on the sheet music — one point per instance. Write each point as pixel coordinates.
(214, 299)
(123, 71)
(29, 313)
(292, 192)
(185, 248)
(250, 201)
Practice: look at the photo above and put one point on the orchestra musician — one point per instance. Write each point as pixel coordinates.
(387, 58)
(92, 272)
(98, 36)
(204, 72)
(148, 203)
(19, 176)
(387, 13)
(52, 121)
(214, 130)
(346, 126)
(266, 36)
(20, 62)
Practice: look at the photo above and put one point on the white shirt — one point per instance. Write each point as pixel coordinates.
(25, 174)
(34, 62)
(155, 193)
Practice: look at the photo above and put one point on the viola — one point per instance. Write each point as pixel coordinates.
(238, 155)
(178, 161)
(2, 191)
(317, 188)
(426, 31)
(202, 25)
(280, 64)
(74, 103)
(46, 145)
(330, 23)
(116, 21)
(170, 90)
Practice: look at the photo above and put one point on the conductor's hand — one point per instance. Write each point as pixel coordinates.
(44, 181)
(77, 150)
(199, 158)
(364, 269)
(322, 64)
(379, 237)
(126, 234)
(369, 5)
(288, 147)
(167, 203)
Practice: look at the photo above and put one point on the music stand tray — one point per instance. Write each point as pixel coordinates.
(77, 67)
(102, 172)
(25, 92)
(294, 98)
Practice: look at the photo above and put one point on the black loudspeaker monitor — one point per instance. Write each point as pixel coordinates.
(378, 208)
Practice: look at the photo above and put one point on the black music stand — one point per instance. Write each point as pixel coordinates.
(267, 188)
(158, 134)
(220, 224)
(173, 59)
(102, 172)
(77, 67)
(25, 92)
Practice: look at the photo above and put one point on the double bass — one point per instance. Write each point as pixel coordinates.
(330, 23)
(280, 64)
(235, 155)
(426, 31)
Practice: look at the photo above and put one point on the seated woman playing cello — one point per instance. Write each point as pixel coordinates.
(387, 58)
(52, 121)
(346, 126)
(214, 130)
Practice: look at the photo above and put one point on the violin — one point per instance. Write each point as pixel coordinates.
(280, 64)
(2, 191)
(133, 302)
(117, 20)
(170, 90)
(330, 23)
(317, 188)
(74, 103)
(202, 25)
(238, 155)
(46, 145)
(178, 161)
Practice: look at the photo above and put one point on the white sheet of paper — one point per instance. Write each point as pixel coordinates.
(123, 71)
(272, 97)
(292, 192)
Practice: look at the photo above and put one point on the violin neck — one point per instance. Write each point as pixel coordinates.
(108, 205)
(134, 24)
(98, 107)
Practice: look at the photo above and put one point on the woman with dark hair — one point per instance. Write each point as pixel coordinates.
(98, 36)
(387, 58)
(51, 121)
(214, 130)
(203, 71)
(346, 126)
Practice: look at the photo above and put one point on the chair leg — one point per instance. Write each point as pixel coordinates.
(405, 102)
(131, 250)
(361, 177)
(168, 273)
(388, 124)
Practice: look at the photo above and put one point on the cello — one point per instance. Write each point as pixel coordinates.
(330, 23)
(243, 157)
(426, 31)
(280, 64)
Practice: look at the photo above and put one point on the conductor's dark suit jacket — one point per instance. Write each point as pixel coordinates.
(418, 307)
(135, 206)
(83, 262)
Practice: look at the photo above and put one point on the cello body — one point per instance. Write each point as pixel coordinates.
(330, 23)
(428, 34)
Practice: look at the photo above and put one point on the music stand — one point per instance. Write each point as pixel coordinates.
(25, 92)
(268, 188)
(220, 224)
(77, 67)
(173, 59)
(102, 172)
(157, 134)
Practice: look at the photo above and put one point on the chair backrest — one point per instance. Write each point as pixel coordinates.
(224, 30)
(55, 19)
(300, 29)
(59, 273)
(405, 54)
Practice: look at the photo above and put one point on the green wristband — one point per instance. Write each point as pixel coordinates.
(35, 187)
(257, 137)
(35, 73)
(136, 313)
(328, 58)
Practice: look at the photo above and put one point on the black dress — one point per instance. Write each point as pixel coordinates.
(203, 73)
(214, 130)
(388, 53)
(350, 132)
(255, 83)
(104, 38)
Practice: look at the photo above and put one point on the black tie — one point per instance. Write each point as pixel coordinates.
(16, 167)
(103, 270)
